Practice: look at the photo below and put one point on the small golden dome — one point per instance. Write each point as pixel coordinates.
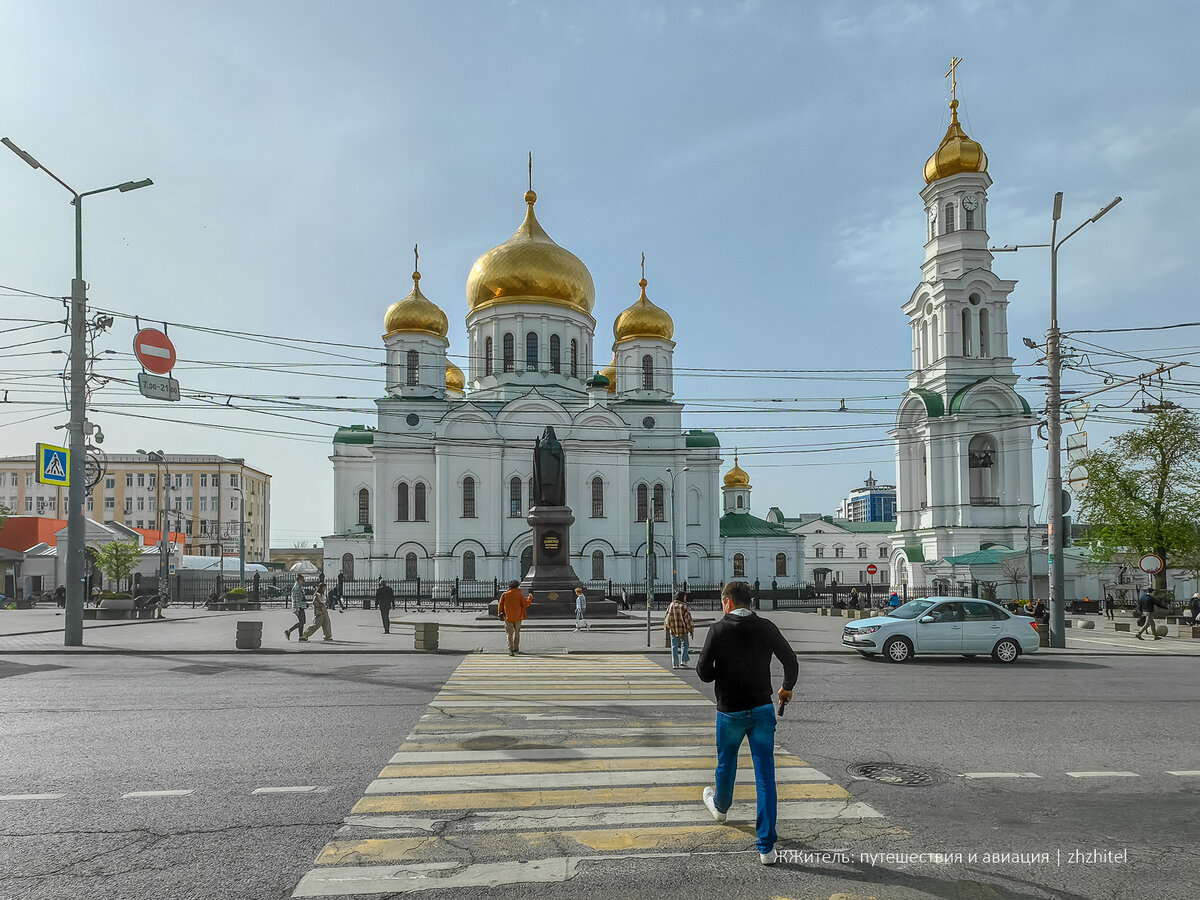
(530, 266)
(415, 313)
(455, 379)
(643, 320)
(610, 372)
(737, 477)
(957, 152)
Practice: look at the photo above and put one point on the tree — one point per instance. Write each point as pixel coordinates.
(1143, 493)
(1013, 569)
(5, 512)
(117, 559)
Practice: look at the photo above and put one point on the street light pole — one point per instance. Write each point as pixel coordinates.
(164, 566)
(674, 555)
(76, 531)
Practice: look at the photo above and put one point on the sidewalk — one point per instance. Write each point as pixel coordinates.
(359, 631)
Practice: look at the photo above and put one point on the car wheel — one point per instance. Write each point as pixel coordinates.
(898, 650)
(1006, 651)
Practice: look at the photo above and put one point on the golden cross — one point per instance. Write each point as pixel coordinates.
(531, 170)
(416, 258)
(643, 266)
(953, 76)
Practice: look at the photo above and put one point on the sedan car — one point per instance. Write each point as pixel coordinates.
(943, 625)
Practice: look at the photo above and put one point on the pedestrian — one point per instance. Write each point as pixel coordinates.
(299, 605)
(853, 598)
(894, 600)
(679, 625)
(1039, 611)
(1146, 608)
(334, 598)
(454, 593)
(384, 598)
(320, 614)
(511, 609)
(737, 656)
(1108, 606)
(624, 599)
(580, 609)
(60, 596)
(1194, 607)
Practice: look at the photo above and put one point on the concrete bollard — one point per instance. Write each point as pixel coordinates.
(835, 612)
(1161, 630)
(1121, 626)
(1087, 623)
(1187, 631)
(425, 636)
(249, 635)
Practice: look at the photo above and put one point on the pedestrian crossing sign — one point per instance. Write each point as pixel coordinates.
(54, 465)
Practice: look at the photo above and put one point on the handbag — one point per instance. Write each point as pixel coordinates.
(1141, 621)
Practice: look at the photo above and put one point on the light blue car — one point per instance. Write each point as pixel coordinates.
(959, 625)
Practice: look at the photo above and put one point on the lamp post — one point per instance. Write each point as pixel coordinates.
(674, 571)
(1054, 504)
(76, 535)
(164, 568)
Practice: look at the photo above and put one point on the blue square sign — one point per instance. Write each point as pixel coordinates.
(54, 465)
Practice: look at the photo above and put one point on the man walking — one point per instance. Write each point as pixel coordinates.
(384, 598)
(1146, 608)
(299, 605)
(511, 609)
(1194, 607)
(678, 624)
(737, 656)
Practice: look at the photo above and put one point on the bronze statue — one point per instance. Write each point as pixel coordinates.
(549, 471)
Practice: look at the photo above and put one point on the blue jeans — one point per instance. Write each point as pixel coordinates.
(758, 725)
(679, 650)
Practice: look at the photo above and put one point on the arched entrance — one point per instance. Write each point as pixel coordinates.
(526, 560)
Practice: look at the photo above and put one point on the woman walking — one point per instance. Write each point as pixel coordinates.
(320, 614)
(580, 609)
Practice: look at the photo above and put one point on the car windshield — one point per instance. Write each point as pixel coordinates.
(912, 609)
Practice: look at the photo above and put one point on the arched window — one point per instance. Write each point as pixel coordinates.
(402, 502)
(419, 502)
(348, 566)
(966, 332)
(414, 368)
(515, 505)
(468, 498)
(487, 356)
(468, 566)
(647, 373)
(693, 507)
(597, 497)
(780, 564)
(597, 565)
(659, 506)
(740, 501)
(981, 463)
(555, 355)
(739, 566)
(574, 358)
(934, 348)
(969, 216)
(643, 503)
(410, 567)
(924, 343)
(984, 333)
(531, 352)
(508, 353)
(364, 507)
(948, 226)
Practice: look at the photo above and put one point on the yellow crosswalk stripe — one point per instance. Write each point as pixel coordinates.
(641, 763)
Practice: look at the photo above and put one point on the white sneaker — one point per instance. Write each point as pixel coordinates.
(683, 665)
(710, 800)
(674, 666)
(770, 858)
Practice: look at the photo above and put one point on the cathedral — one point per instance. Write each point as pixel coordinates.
(441, 488)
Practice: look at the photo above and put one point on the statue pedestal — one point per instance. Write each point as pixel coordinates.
(551, 579)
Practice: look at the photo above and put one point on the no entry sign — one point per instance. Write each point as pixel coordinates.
(154, 351)
(871, 569)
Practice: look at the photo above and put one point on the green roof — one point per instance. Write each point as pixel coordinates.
(957, 400)
(982, 557)
(695, 438)
(933, 402)
(914, 554)
(354, 434)
(598, 380)
(735, 525)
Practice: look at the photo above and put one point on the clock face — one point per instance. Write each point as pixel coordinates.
(933, 214)
(970, 202)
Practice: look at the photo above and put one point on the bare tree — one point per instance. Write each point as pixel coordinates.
(1013, 570)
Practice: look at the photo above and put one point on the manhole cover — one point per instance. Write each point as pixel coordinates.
(890, 773)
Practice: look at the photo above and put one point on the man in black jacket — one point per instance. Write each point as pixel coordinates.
(384, 598)
(737, 656)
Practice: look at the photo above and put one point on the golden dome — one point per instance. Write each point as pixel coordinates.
(957, 152)
(737, 477)
(610, 372)
(415, 313)
(643, 320)
(455, 379)
(530, 266)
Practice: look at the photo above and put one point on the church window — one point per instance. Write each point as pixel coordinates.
(981, 464)
(468, 570)
(862, 552)
(969, 217)
(984, 333)
(364, 507)
(402, 502)
(597, 497)
(934, 348)
(468, 498)
(948, 226)
(839, 552)
(924, 344)
(574, 358)
(508, 353)
(487, 356)
(659, 512)
(966, 332)
(819, 552)
(780, 564)
(693, 507)
(531, 352)
(740, 501)
(739, 565)
(883, 551)
(348, 565)
(410, 567)
(414, 364)
(515, 506)
(643, 503)
(647, 373)
(419, 502)
(555, 355)
(597, 565)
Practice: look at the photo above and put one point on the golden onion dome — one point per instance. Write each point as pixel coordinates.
(643, 320)
(957, 152)
(737, 477)
(455, 379)
(610, 372)
(530, 266)
(415, 313)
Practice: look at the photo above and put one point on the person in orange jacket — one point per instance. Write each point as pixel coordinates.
(511, 609)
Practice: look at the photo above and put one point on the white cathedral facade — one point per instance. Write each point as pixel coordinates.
(440, 489)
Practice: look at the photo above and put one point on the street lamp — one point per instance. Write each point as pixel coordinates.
(164, 568)
(674, 571)
(1058, 625)
(76, 533)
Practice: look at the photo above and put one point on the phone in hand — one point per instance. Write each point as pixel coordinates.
(782, 705)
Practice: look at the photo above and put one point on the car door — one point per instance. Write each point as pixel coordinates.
(944, 633)
(982, 626)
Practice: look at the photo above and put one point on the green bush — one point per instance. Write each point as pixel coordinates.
(237, 593)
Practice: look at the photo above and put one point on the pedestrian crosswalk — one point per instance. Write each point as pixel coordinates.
(525, 770)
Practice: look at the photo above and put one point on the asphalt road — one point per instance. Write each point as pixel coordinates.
(96, 728)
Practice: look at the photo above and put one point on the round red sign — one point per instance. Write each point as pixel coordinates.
(872, 569)
(154, 351)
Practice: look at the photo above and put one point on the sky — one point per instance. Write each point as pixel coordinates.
(765, 156)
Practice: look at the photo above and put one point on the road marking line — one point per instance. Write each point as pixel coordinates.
(298, 789)
(411, 879)
(1103, 774)
(1185, 773)
(409, 768)
(32, 796)
(536, 753)
(501, 742)
(526, 781)
(134, 795)
(605, 701)
(1001, 775)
